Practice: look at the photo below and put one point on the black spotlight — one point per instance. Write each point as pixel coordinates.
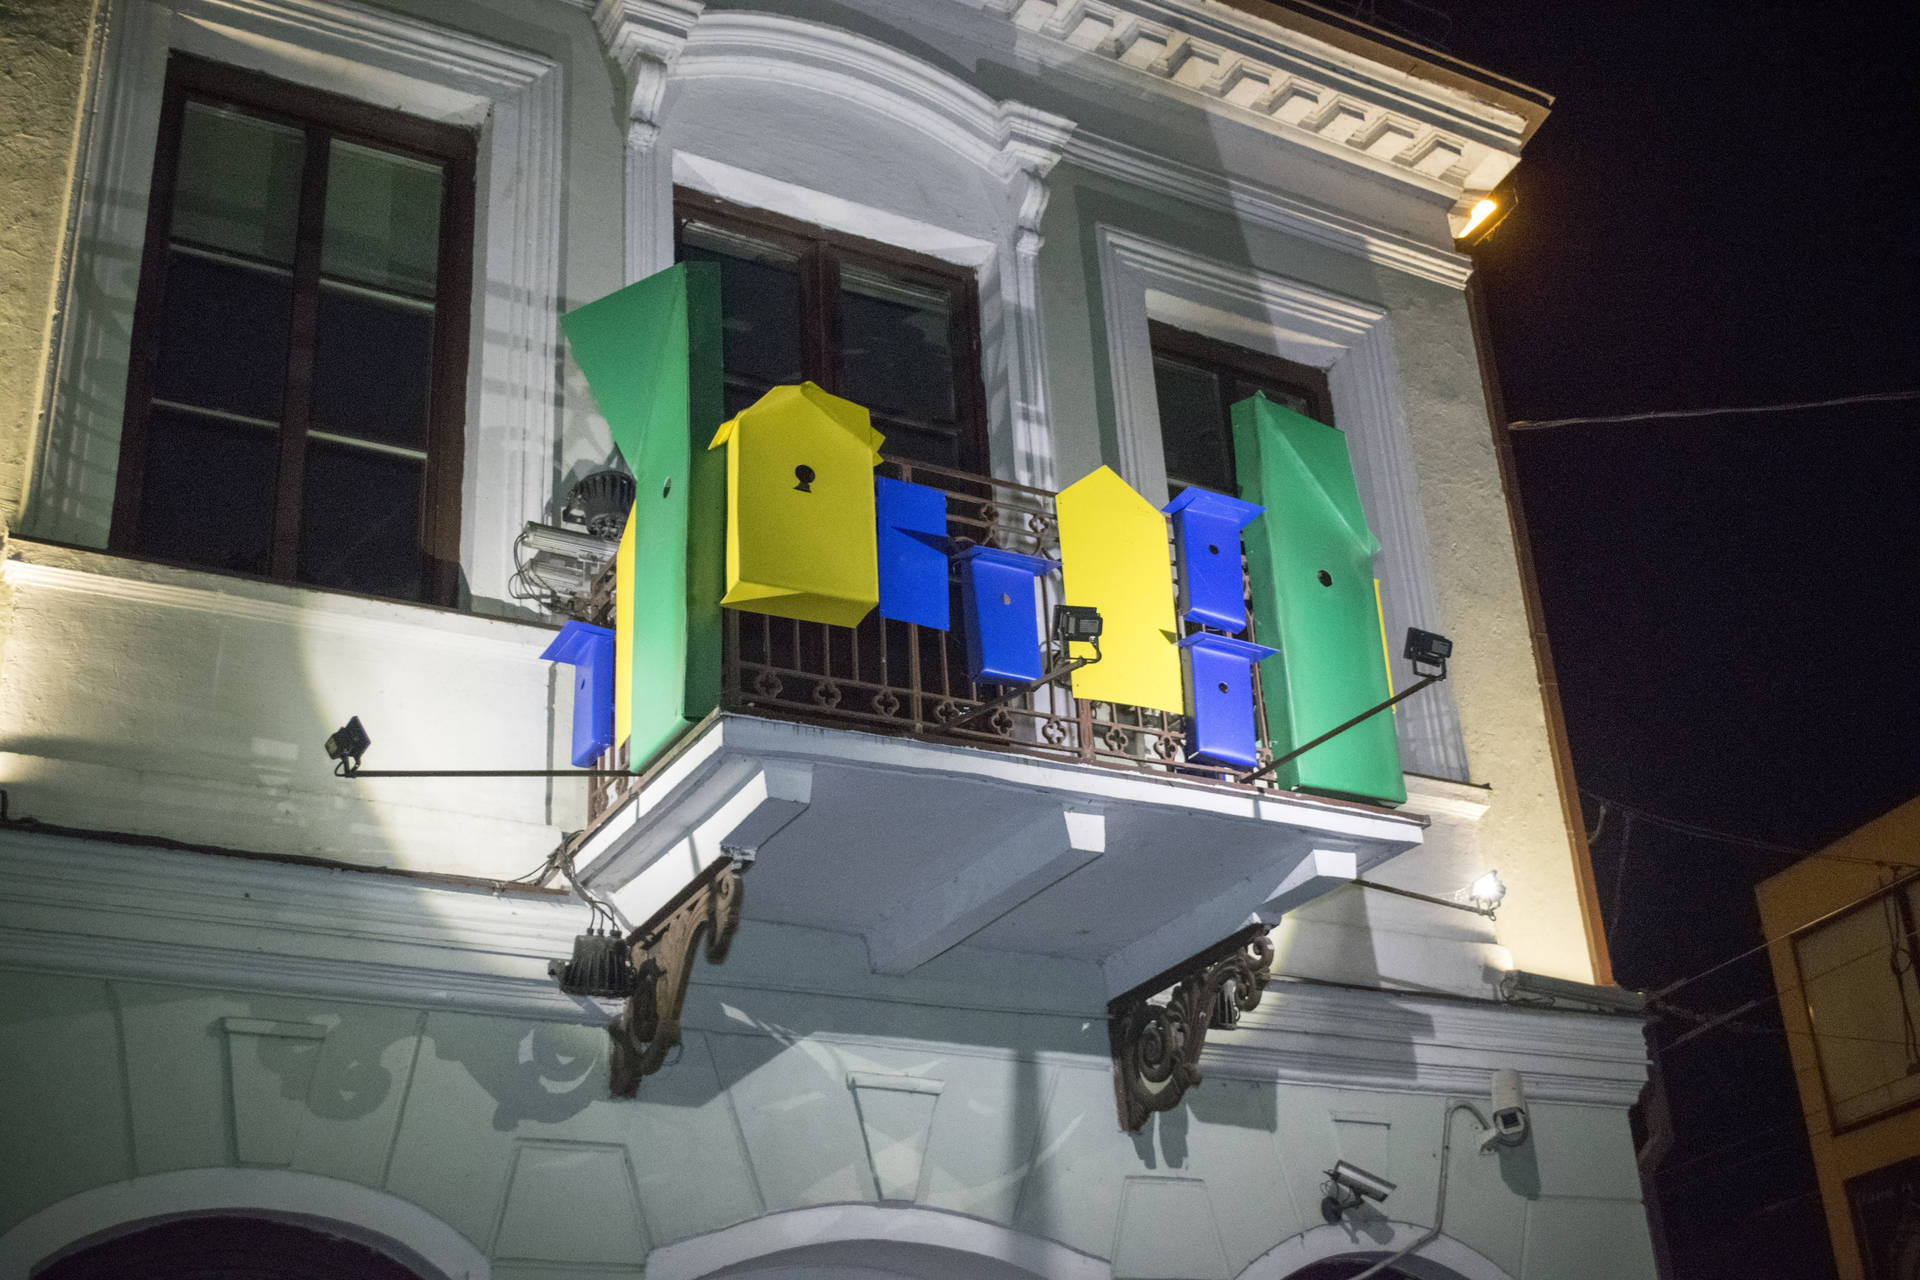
(347, 744)
(1078, 622)
(602, 501)
(1428, 652)
(602, 965)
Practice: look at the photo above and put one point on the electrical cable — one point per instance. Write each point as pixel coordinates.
(1876, 397)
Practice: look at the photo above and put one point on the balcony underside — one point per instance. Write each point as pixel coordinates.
(920, 847)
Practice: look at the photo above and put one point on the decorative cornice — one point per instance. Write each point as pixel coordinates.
(1011, 139)
(645, 37)
(1430, 131)
(1268, 207)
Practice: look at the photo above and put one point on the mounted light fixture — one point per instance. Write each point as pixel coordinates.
(1072, 624)
(1428, 651)
(1487, 893)
(1480, 219)
(346, 745)
(1349, 1187)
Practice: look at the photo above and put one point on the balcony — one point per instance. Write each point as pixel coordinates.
(846, 766)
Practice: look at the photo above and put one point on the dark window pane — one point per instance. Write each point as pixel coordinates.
(372, 368)
(759, 308)
(894, 350)
(238, 183)
(383, 219)
(741, 395)
(916, 443)
(223, 336)
(360, 521)
(1193, 431)
(207, 491)
(1279, 394)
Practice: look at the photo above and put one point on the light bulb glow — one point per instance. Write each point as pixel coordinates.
(1487, 892)
(1481, 212)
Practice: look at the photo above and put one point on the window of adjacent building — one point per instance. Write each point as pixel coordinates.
(295, 401)
(894, 331)
(1857, 973)
(1198, 380)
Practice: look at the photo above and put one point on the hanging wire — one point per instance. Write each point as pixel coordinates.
(1877, 397)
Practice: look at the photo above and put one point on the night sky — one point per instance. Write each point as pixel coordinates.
(1718, 213)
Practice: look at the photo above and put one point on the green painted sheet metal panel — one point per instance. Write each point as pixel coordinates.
(1311, 557)
(651, 355)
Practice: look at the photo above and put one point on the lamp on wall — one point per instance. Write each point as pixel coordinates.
(1487, 893)
(346, 745)
(1480, 219)
(1072, 624)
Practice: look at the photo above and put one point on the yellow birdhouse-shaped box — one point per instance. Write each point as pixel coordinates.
(800, 522)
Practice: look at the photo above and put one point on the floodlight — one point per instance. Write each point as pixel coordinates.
(1428, 651)
(1487, 892)
(1077, 622)
(347, 744)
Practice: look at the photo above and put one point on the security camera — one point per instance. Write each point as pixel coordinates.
(1352, 1185)
(1509, 1111)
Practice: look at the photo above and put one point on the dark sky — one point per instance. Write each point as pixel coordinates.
(1719, 213)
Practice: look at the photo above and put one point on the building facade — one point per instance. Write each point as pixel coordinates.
(293, 435)
(1841, 928)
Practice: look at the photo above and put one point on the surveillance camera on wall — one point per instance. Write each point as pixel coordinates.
(1509, 1111)
(1351, 1186)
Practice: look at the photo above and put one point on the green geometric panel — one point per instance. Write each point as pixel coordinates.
(651, 356)
(1311, 558)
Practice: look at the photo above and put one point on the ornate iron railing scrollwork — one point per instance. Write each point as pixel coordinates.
(648, 1028)
(1156, 1047)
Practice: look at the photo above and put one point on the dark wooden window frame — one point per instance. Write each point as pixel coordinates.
(820, 252)
(321, 117)
(1231, 364)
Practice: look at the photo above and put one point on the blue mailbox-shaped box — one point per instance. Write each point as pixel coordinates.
(1219, 678)
(910, 526)
(1206, 549)
(997, 590)
(589, 651)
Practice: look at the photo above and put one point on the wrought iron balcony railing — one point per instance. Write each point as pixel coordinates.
(900, 678)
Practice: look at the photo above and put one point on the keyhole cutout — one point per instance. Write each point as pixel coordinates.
(804, 474)
(1326, 579)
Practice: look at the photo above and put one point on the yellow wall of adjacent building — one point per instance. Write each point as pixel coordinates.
(43, 63)
(1841, 874)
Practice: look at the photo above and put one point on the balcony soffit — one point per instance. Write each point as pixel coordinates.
(920, 847)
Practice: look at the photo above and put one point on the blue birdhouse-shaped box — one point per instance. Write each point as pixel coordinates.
(1206, 550)
(997, 590)
(911, 535)
(1219, 679)
(589, 651)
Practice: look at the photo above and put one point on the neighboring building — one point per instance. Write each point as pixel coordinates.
(287, 390)
(1842, 924)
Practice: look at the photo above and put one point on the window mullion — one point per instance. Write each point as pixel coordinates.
(297, 407)
(820, 307)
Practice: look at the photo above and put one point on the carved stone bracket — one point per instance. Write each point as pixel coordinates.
(649, 1027)
(1156, 1048)
(645, 37)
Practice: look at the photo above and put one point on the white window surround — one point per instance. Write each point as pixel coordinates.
(393, 1226)
(514, 100)
(771, 56)
(1143, 279)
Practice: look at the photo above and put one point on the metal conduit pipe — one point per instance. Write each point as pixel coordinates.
(1440, 1202)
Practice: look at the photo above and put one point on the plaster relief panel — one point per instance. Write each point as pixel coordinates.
(271, 1070)
(570, 1202)
(1167, 1232)
(896, 1114)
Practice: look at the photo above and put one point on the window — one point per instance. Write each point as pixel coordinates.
(295, 398)
(1863, 1000)
(891, 330)
(1197, 381)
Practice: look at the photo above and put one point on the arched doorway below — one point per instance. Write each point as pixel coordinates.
(1344, 1269)
(225, 1248)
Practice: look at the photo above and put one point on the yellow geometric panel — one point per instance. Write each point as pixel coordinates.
(1113, 553)
(800, 529)
(624, 599)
